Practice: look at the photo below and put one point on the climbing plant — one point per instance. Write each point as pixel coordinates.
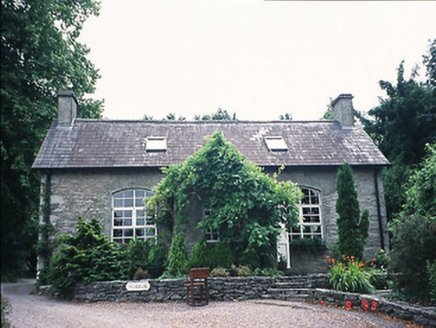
(247, 204)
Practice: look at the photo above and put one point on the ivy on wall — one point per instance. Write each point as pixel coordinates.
(247, 204)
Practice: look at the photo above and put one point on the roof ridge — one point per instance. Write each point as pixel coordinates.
(203, 121)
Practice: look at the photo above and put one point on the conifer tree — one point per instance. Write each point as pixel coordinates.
(352, 230)
(177, 258)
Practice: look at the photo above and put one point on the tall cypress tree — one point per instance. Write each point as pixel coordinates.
(352, 230)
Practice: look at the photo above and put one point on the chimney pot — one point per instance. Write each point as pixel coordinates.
(67, 108)
(343, 110)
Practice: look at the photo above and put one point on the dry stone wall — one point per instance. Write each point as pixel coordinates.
(220, 289)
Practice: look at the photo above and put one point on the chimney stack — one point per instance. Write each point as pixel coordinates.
(67, 108)
(343, 110)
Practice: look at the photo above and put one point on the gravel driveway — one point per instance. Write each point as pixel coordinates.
(39, 311)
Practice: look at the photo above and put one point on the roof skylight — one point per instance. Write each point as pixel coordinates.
(276, 143)
(156, 144)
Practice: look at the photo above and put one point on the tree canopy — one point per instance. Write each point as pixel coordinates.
(403, 124)
(414, 233)
(40, 55)
(246, 202)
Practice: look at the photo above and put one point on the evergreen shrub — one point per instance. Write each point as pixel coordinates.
(177, 258)
(157, 258)
(250, 258)
(86, 256)
(137, 255)
(201, 255)
(352, 230)
(223, 255)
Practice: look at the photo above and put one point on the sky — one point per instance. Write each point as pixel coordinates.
(258, 59)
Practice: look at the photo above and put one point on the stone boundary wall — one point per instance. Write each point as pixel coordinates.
(371, 303)
(220, 289)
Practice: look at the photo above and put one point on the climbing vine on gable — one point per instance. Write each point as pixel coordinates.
(247, 203)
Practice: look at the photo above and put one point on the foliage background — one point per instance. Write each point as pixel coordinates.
(40, 55)
(403, 124)
(414, 235)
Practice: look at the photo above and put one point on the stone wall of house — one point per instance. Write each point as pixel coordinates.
(88, 193)
(324, 180)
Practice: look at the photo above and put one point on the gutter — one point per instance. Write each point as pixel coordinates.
(379, 215)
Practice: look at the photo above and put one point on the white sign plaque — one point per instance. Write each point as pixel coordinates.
(136, 286)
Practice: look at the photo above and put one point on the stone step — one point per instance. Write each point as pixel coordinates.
(289, 294)
(291, 284)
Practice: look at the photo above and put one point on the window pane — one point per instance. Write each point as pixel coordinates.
(140, 222)
(128, 202)
(128, 193)
(310, 210)
(139, 193)
(139, 202)
(128, 222)
(118, 222)
(118, 232)
(118, 214)
(118, 203)
(139, 232)
(128, 232)
(128, 214)
(118, 194)
(139, 213)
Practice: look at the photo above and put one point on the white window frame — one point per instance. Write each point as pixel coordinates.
(276, 143)
(309, 208)
(211, 235)
(122, 204)
(156, 144)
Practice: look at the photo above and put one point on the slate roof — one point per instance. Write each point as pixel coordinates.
(110, 144)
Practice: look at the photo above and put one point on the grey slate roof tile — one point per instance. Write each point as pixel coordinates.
(102, 143)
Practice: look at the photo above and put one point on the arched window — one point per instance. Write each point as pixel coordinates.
(310, 225)
(129, 218)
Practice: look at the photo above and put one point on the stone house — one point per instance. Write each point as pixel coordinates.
(105, 169)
